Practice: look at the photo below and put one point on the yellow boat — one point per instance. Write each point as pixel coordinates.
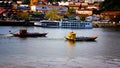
(72, 37)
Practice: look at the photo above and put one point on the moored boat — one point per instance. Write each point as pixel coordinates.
(72, 37)
(47, 24)
(24, 33)
(74, 24)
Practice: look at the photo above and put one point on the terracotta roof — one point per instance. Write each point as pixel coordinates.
(111, 12)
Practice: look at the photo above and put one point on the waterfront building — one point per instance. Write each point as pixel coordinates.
(92, 1)
(84, 12)
(33, 2)
(19, 1)
(110, 14)
(45, 8)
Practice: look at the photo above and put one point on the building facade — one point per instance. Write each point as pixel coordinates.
(92, 1)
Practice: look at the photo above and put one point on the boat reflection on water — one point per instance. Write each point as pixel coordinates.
(70, 43)
(70, 49)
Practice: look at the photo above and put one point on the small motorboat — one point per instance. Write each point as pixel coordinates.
(72, 37)
(24, 33)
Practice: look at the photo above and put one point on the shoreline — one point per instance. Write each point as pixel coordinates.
(105, 25)
(16, 23)
(28, 23)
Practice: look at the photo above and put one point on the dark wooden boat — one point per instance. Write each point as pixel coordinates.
(24, 33)
(92, 38)
(72, 37)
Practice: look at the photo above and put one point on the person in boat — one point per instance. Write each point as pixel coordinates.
(71, 35)
(23, 31)
(10, 32)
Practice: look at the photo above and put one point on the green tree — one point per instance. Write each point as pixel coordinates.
(37, 13)
(23, 15)
(82, 17)
(26, 2)
(15, 1)
(71, 10)
(110, 5)
(53, 14)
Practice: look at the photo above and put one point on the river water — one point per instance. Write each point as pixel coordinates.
(53, 51)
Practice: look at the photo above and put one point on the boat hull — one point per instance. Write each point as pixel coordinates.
(82, 39)
(30, 35)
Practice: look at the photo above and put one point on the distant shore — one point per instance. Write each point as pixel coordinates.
(28, 23)
(105, 25)
(15, 23)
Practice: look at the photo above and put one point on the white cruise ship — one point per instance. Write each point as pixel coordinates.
(74, 24)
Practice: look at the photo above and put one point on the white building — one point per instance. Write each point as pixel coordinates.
(45, 8)
(88, 12)
(92, 18)
(92, 1)
(63, 3)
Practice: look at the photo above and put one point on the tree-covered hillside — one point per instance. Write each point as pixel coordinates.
(110, 5)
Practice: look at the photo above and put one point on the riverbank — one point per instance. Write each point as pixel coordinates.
(105, 25)
(28, 23)
(15, 23)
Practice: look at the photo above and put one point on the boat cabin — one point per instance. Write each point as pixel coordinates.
(71, 35)
(23, 31)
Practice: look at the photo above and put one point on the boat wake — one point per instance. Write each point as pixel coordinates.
(53, 38)
(7, 35)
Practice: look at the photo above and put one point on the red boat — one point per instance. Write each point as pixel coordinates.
(24, 33)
